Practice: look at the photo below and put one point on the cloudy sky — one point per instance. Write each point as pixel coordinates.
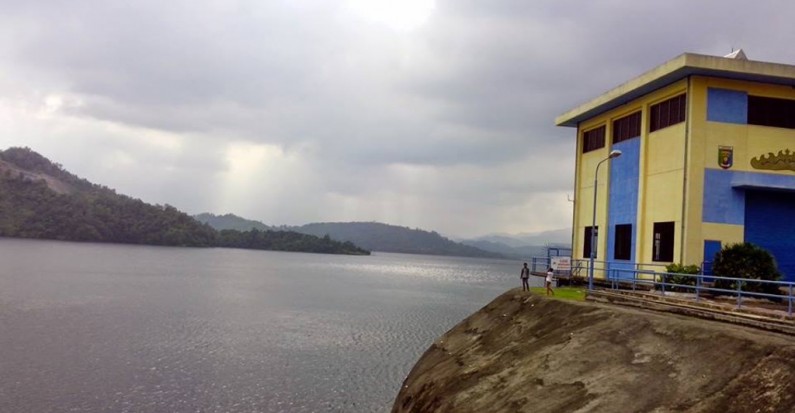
(421, 113)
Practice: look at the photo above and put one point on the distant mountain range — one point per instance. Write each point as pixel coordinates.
(524, 252)
(369, 235)
(557, 237)
(523, 246)
(391, 238)
(230, 221)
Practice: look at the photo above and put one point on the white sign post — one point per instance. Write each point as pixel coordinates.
(561, 264)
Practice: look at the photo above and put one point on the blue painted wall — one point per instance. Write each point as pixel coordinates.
(722, 203)
(770, 223)
(623, 202)
(710, 249)
(764, 203)
(724, 105)
(724, 193)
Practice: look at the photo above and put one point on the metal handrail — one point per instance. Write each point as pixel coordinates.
(699, 287)
(617, 274)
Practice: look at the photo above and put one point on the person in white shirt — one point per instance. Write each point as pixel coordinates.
(550, 273)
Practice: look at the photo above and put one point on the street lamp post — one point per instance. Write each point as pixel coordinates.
(613, 154)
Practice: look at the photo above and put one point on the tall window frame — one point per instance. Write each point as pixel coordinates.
(622, 245)
(626, 127)
(667, 113)
(593, 139)
(663, 241)
(586, 246)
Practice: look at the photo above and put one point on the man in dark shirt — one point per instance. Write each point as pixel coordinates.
(524, 276)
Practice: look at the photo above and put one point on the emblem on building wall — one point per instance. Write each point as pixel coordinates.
(783, 161)
(725, 156)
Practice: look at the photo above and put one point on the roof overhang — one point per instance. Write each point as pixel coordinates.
(762, 181)
(680, 67)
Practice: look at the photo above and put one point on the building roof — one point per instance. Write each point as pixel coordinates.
(684, 65)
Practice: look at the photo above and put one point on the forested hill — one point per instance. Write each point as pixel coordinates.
(39, 199)
(231, 221)
(391, 238)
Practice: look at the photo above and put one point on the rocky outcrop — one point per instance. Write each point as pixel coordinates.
(524, 353)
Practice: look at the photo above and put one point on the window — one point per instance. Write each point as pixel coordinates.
(779, 113)
(627, 127)
(623, 242)
(586, 251)
(668, 112)
(663, 242)
(593, 139)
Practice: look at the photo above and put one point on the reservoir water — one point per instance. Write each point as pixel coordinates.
(119, 328)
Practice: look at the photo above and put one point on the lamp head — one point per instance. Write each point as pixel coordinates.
(614, 154)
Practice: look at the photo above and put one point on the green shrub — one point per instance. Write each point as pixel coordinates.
(674, 278)
(747, 261)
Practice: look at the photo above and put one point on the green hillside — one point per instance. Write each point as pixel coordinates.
(231, 221)
(39, 199)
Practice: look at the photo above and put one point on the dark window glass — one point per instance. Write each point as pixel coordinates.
(593, 139)
(779, 113)
(668, 112)
(654, 118)
(663, 242)
(586, 251)
(673, 109)
(623, 243)
(627, 127)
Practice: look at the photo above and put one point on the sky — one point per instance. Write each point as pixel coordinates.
(427, 114)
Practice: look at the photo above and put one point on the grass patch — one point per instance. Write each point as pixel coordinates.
(563, 293)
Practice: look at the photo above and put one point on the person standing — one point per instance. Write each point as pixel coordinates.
(524, 276)
(550, 273)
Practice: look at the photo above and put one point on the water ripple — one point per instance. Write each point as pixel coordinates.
(88, 327)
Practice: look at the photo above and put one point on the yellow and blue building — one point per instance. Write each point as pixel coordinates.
(708, 159)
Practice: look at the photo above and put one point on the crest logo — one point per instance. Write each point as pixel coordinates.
(725, 156)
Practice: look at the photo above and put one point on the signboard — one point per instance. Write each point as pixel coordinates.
(562, 264)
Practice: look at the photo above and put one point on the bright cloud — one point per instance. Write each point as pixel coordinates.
(398, 15)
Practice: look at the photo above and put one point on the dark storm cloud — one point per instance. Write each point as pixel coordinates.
(133, 60)
(516, 64)
(280, 75)
(456, 114)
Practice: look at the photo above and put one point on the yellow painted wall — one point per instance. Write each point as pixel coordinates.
(721, 232)
(672, 162)
(660, 186)
(748, 141)
(584, 199)
(663, 191)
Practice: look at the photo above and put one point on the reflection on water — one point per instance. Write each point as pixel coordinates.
(92, 327)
